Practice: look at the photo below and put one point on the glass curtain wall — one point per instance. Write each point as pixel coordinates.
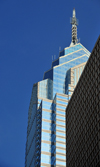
(46, 132)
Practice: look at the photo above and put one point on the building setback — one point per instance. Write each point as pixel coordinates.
(46, 131)
(83, 116)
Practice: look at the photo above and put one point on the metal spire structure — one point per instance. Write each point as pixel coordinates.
(74, 23)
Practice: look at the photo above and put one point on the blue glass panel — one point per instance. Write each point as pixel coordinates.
(71, 56)
(62, 69)
(61, 157)
(62, 102)
(73, 49)
(53, 148)
(46, 115)
(60, 128)
(70, 50)
(59, 117)
(46, 136)
(39, 100)
(45, 159)
(60, 163)
(46, 125)
(56, 62)
(46, 105)
(62, 53)
(53, 137)
(53, 161)
(48, 74)
(53, 127)
(45, 147)
(60, 134)
(61, 107)
(60, 123)
(69, 93)
(60, 112)
(60, 145)
(45, 88)
(60, 139)
(62, 97)
(61, 151)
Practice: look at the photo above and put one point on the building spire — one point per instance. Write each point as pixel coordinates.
(74, 23)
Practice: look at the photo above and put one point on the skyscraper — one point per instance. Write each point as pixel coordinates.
(46, 131)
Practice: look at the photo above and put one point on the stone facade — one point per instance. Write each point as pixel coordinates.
(83, 116)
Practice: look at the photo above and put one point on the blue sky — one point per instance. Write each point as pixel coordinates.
(31, 31)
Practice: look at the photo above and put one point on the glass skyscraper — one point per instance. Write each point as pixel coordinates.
(46, 131)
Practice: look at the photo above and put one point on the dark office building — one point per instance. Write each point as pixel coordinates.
(83, 116)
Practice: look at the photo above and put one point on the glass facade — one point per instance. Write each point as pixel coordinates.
(46, 132)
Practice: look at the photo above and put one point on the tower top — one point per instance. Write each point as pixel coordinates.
(74, 23)
(74, 20)
(74, 14)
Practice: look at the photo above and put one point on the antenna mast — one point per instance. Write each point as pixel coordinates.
(74, 23)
